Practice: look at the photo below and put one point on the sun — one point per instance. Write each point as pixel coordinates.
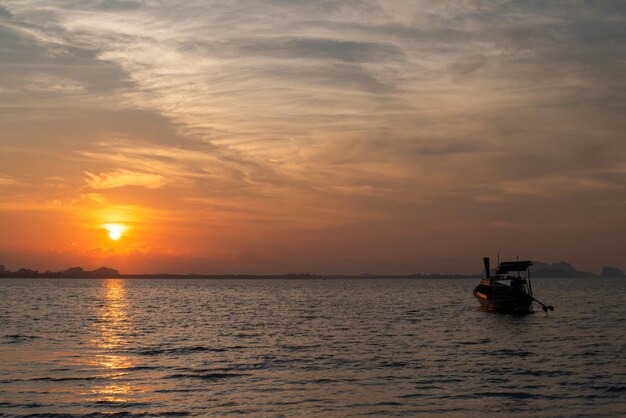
(115, 231)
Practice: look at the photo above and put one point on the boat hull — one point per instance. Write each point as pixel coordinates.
(505, 303)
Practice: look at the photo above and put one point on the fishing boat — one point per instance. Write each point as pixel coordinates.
(506, 291)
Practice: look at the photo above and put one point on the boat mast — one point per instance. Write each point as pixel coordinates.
(530, 287)
(487, 269)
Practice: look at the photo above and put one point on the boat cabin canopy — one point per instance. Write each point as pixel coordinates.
(507, 266)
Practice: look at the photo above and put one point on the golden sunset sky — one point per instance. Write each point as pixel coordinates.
(311, 136)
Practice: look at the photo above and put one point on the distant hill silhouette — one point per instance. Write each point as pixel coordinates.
(565, 269)
(611, 272)
(539, 269)
(77, 272)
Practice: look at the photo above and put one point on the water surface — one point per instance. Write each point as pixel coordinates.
(115, 347)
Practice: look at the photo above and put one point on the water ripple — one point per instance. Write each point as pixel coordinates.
(161, 348)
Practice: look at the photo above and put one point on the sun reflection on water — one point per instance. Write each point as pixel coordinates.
(114, 327)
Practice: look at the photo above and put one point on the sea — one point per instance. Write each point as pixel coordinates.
(307, 347)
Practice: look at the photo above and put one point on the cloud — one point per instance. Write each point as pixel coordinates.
(255, 81)
(4, 12)
(96, 197)
(5, 181)
(45, 67)
(121, 178)
(313, 49)
(321, 113)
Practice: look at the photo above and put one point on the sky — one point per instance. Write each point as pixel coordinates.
(311, 136)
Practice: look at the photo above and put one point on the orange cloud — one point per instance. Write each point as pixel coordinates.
(121, 178)
(5, 181)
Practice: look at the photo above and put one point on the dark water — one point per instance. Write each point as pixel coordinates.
(308, 348)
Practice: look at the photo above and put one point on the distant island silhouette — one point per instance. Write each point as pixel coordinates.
(77, 272)
(539, 270)
(565, 270)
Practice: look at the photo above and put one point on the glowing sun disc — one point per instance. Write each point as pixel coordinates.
(115, 230)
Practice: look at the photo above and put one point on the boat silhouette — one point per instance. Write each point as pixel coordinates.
(505, 292)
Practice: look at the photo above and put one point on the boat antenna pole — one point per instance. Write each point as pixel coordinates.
(545, 307)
